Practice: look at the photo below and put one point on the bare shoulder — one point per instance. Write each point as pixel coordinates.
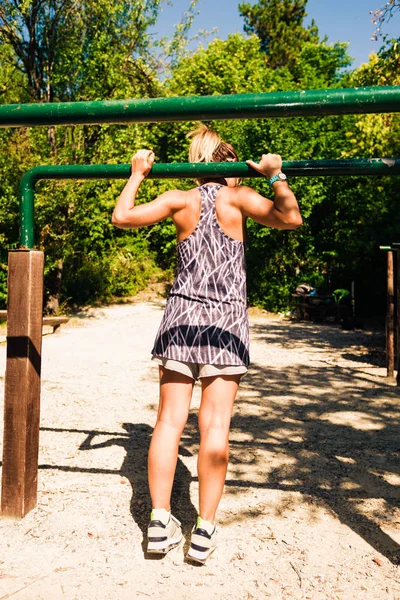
(243, 194)
(244, 190)
(175, 199)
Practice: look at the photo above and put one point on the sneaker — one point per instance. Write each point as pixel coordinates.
(202, 543)
(162, 538)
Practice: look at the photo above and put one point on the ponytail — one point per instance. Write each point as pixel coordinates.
(207, 146)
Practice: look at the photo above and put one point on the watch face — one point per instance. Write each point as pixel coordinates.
(282, 177)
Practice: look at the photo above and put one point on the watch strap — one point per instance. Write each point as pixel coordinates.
(279, 177)
(273, 179)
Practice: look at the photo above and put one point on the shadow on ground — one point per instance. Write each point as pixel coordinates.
(292, 335)
(339, 449)
(327, 434)
(135, 441)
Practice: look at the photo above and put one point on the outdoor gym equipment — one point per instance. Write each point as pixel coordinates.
(25, 271)
(307, 103)
(393, 281)
(300, 168)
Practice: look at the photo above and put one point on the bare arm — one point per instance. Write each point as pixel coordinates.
(283, 212)
(128, 216)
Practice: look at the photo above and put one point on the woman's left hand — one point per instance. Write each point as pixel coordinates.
(142, 162)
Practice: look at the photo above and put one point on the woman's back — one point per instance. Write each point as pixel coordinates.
(205, 320)
(211, 263)
(228, 213)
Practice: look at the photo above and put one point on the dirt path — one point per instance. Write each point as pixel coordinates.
(309, 510)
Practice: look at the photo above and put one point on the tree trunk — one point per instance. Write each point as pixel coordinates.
(52, 306)
(51, 137)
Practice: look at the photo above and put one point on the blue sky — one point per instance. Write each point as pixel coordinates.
(340, 20)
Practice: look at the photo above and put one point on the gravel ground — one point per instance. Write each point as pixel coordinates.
(309, 510)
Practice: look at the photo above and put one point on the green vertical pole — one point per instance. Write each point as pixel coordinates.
(27, 209)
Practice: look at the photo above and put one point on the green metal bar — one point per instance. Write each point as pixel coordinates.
(188, 108)
(302, 168)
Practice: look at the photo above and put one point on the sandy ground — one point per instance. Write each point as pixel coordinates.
(309, 510)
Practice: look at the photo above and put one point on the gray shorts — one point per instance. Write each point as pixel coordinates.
(199, 371)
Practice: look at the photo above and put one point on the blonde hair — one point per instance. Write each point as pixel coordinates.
(208, 146)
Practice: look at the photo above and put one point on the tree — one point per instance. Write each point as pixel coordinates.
(63, 50)
(344, 219)
(279, 26)
(277, 261)
(80, 49)
(375, 135)
(70, 50)
(359, 214)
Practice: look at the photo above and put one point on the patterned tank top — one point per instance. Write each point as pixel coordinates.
(205, 319)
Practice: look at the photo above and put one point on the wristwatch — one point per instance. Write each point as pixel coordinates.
(278, 177)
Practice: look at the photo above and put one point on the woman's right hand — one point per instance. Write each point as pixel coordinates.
(269, 165)
(142, 162)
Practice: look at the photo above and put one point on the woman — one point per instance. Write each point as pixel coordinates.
(204, 333)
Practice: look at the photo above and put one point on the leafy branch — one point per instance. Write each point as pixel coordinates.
(383, 15)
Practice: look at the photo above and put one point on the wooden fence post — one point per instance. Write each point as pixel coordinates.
(22, 382)
(390, 316)
(398, 315)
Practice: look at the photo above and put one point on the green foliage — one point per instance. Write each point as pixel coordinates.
(320, 65)
(279, 26)
(233, 66)
(108, 49)
(375, 135)
(80, 49)
(277, 260)
(76, 51)
(340, 294)
(127, 268)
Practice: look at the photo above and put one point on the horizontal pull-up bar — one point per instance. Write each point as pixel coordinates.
(302, 168)
(394, 246)
(188, 108)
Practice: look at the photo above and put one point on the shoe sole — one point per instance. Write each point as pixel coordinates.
(200, 559)
(153, 549)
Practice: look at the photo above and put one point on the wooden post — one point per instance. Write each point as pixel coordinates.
(22, 382)
(390, 316)
(398, 315)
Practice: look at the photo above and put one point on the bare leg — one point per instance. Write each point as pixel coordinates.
(175, 396)
(218, 396)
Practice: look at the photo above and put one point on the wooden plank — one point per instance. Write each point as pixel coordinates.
(54, 322)
(22, 382)
(390, 316)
